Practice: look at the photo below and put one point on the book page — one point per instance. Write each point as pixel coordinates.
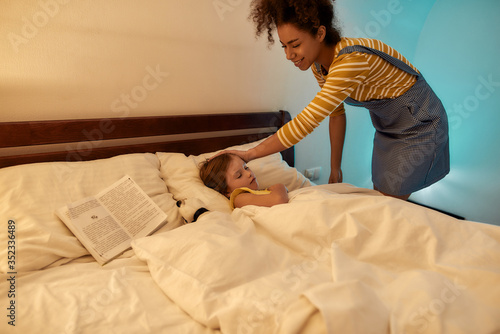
(92, 222)
(106, 223)
(132, 208)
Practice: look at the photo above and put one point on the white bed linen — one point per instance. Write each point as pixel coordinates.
(181, 175)
(336, 259)
(30, 194)
(83, 297)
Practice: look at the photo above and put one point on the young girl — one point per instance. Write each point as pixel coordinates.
(410, 150)
(230, 176)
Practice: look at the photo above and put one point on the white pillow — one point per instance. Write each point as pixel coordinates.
(31, 193)
(181, 174)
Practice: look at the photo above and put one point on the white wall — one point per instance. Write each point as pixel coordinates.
(75, 59)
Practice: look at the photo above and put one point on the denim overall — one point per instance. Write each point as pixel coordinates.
(410, 148)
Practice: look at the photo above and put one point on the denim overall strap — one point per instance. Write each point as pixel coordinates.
(390, 59)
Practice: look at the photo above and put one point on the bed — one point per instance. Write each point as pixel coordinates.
(335, 259)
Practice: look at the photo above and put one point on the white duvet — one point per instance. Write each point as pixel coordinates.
(83, 297)
(336, 259)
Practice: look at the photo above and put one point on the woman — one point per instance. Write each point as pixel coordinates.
(411, 141)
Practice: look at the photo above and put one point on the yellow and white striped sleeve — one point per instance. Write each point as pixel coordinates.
(348, 72)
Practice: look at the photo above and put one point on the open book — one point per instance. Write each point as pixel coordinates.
(107, 223)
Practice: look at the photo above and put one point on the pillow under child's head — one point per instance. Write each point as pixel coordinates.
(182, 175)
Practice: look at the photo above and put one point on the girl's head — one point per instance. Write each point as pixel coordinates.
(305, 15)
(227, 172)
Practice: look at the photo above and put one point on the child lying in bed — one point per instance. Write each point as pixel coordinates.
(230, 176)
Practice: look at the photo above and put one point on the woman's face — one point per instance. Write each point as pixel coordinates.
(239, 175)
(300, 46)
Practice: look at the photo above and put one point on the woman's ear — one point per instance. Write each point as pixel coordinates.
(321, 34)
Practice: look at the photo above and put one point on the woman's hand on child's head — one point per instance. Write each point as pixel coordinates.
(242, 154)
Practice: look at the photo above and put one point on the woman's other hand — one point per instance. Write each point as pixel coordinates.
(336, 176)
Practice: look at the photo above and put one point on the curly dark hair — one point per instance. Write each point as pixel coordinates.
(307, 15)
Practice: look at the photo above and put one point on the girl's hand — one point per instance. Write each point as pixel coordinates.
(279, 187)
(336, 176)
(279, 193)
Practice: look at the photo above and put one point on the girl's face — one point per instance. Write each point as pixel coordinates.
(239, 175)
(300, 46)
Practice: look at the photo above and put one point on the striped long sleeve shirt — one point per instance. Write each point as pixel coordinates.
(361, 76)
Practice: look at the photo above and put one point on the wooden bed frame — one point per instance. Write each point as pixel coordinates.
(89, 139)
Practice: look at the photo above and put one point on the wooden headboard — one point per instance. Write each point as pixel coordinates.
(89, 139)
